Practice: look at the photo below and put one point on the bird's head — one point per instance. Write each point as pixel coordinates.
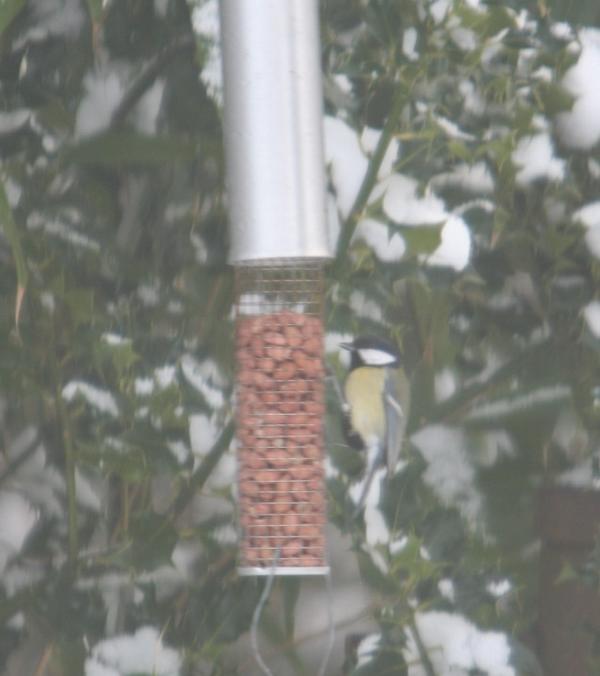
(372, 351)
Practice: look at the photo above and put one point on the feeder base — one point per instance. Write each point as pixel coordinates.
(283, 570)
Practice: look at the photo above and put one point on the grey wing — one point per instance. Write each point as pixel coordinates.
(396, 401)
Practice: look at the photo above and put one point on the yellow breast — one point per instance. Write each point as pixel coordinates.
(364, 394)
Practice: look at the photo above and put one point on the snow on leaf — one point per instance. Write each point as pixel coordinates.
(591, 314)
(449, 472)
(455, 644)
(99, 399)
(141, 652)
(534, 155)
(580, 127)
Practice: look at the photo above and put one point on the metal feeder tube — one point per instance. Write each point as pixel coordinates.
(276, 188)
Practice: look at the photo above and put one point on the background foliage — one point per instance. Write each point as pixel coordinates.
(115, 330)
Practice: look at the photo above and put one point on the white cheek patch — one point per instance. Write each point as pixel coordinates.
(374, 357)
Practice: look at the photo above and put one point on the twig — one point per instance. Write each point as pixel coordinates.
(203, 472)
(370, 178)
(147, 77)
(65, 426)
(423, 654)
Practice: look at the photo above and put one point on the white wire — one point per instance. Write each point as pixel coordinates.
(261, 604)
(331, 633)
(258, 612)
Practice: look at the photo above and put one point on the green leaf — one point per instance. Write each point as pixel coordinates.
(81, 305)
(554, 98)
(126, 149)
(121, 355)
(154, 538)
(8, 11)
(567, 574)
(95, 9)
(422, 239)
(460, 150)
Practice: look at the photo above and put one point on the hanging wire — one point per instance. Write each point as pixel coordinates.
(264, 597)
(331, 624)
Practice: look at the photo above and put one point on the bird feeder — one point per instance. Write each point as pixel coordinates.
(276, 189)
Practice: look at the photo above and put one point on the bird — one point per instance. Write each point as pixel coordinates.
(377, 403)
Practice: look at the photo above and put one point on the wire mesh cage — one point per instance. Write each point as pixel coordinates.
(280, 411)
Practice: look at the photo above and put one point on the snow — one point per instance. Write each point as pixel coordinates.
(161, 7)
(142, 652)
(366, 649)
(409, 44)
(13, 120)
(52, 18)
(446, 589)
(494, 445)
(589, 216)
(499, 588)
(99, 399)
(518, 404)
(534, 155)
(87, 494)
(103, 93)
(475, 178)
(206, 23)
(449, 472)
(346, 159)
(149, 293)
(363, 306)
(583, 476)
(203, 433)
(165, 376)
(398, 545)
(464, 38)
(17, 518)
(114, 339)
(179, 450)
(143, 387)
(451, 129)
(47, 301)
(404, 206)
(145, 113)
(369, 139)
(579, 128)
(333, 340)
(444, 384)
(387, 245)
(343, 82)
(59, 229)
(456, 646)
(454, 250)
(205, 378)
(439, 10)
(591, 314)
(562, 31)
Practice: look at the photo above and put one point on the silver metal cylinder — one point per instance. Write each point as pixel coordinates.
(273, 129)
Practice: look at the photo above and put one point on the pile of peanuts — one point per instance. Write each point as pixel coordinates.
(280, 437)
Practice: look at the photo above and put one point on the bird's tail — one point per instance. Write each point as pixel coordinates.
(375, 458)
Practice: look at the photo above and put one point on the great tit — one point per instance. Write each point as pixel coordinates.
(377, 394)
